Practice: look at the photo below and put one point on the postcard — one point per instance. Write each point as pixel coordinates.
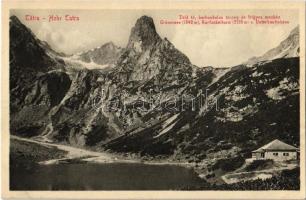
(153, 100)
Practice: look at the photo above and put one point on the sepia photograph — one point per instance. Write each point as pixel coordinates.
(155, 100)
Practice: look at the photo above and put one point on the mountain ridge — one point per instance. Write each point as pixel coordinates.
(106, 54)
(288, 48)
(153, 101)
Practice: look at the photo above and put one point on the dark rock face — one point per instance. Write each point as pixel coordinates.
(143, 35)
(30, 105)
(49, 89)
(153, 101)
(27, 51)
(148, 57)
(29, 58)
(37, 80)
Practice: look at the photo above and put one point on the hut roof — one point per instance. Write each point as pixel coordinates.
(276, 145)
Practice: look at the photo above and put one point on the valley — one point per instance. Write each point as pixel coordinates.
(147, 104)
(63, 156)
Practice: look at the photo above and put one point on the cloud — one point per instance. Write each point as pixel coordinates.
(68, 41)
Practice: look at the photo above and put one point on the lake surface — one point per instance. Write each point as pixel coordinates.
(111, 176)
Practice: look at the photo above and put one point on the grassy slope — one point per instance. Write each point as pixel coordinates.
(24, 153)
(287, 180)
(267, 119)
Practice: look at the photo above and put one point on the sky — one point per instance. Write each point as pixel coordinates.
(205, 45)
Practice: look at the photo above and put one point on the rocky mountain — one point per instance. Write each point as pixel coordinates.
(149, 57)
(251, 106)
(153, 101)
(288, 48)
(105, 55)
(150, 69)
(27, 51)
(37, 78)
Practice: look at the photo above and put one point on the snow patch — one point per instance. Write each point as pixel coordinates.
(167, 125)
(75, 63)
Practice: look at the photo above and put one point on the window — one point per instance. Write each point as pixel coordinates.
(285, 154)
(262, 155)
(275, 154)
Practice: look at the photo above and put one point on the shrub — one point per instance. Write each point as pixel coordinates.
(229, 164)
(287, 180)
(259, 164)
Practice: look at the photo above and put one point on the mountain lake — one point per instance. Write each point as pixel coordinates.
(102, 176)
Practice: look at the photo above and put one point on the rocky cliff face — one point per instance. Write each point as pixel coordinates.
(154, 72)
(152, 101)
(26, 51)
(143, 35)
(148, 57)
(103, 57)
(37, 80)
(106, 54)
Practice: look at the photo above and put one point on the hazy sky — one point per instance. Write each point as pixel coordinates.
(215, 45)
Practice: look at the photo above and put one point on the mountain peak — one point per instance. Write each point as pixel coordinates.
(28, 51)
(288, 48)
(145, 20)
(295, 30)
(15, 22)
(107, 54)
(15, 19)
(143, 34)
(110, 45)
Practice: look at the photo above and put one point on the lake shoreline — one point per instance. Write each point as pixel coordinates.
(32, 162)
(78, 155)
(28, 154)
(75, 154)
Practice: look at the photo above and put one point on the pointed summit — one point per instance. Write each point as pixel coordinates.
(14, 19)
(15, 23)
(143, 34)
